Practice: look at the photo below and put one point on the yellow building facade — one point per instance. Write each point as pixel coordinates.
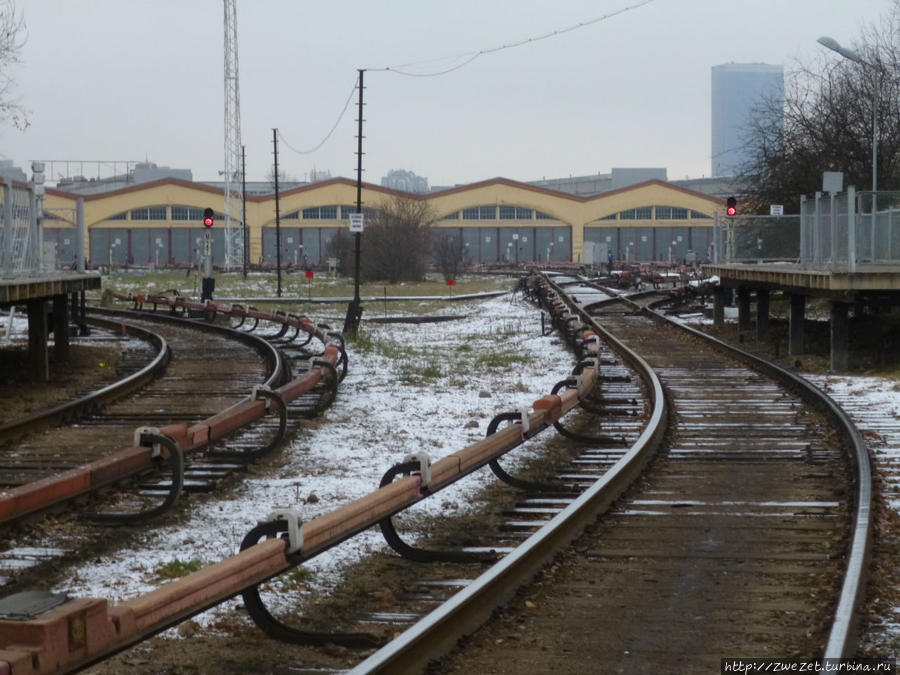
(498, 220)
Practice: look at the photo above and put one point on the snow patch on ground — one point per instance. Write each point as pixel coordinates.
(414, 388)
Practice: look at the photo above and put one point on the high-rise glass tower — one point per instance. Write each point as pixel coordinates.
(737, 90)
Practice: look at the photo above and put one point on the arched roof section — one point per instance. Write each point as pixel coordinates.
(166, 192)
(334, 192)
(644, 195)
(501, 192)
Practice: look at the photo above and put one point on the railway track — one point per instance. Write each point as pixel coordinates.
(199, 372)
(744, 537)
(740, 527)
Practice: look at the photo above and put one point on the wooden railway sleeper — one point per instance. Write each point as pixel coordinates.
(150, 437)
(279, 524)
(520, 417)
(419, 464)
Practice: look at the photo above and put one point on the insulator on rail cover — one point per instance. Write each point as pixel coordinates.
(424, 460)
(526, 422)
(579, 385)
(262, 391)
(140, 440)
(295, 531)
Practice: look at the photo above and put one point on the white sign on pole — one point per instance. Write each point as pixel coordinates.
(776, 209)
(356, 222)
(832, 181)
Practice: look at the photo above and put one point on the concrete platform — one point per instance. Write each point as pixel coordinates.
(874, 284)
(45, 286)
(798, 278)
(34, 291)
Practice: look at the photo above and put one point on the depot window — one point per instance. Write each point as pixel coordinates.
(671, 213)
(186, 213)
(515, 213)
(321, 213)
(149, 213)
(641, 213)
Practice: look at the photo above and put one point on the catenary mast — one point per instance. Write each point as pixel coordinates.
(234, 243)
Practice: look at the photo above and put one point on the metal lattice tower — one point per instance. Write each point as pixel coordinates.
(234, 244)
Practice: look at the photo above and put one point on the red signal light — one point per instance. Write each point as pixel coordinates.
(731, 207)
(208, 217)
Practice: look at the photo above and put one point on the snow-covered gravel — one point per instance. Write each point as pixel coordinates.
(410, 388)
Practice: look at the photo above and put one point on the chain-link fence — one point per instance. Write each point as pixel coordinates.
(878, 235)
(833, 231)
(20, 238)
(744, 239)
(848, 228)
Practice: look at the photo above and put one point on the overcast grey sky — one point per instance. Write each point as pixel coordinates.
(143, 79)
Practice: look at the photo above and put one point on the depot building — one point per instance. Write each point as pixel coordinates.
(498, 220)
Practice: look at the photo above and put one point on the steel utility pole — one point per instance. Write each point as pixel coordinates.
(234, 191)
(245, 250)
(277, 214)
(354, 309)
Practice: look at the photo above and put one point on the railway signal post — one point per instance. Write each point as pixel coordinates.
(208, 283)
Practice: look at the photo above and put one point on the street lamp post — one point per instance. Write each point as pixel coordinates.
(835, 46)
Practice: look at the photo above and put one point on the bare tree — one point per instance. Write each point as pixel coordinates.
(825, 123)
(12, 29)
(341, 246)
(394, 246)
(283, 177)
(449, 252)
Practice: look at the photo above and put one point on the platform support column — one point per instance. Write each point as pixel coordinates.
(718, 306)
(60, 328)
(743, 300)
(37, 340)
(796, 337)
(762, 314)
(839, 337)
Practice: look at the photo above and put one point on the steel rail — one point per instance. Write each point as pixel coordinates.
(273, 358)
(842, 636)
(102, 396)
(841, 641)
(473, 605)
(465, 610)
(113, 628)
(122, 463)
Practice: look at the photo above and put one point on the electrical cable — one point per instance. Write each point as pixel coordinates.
(471, 56)
(333, 127)
(467, 57)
